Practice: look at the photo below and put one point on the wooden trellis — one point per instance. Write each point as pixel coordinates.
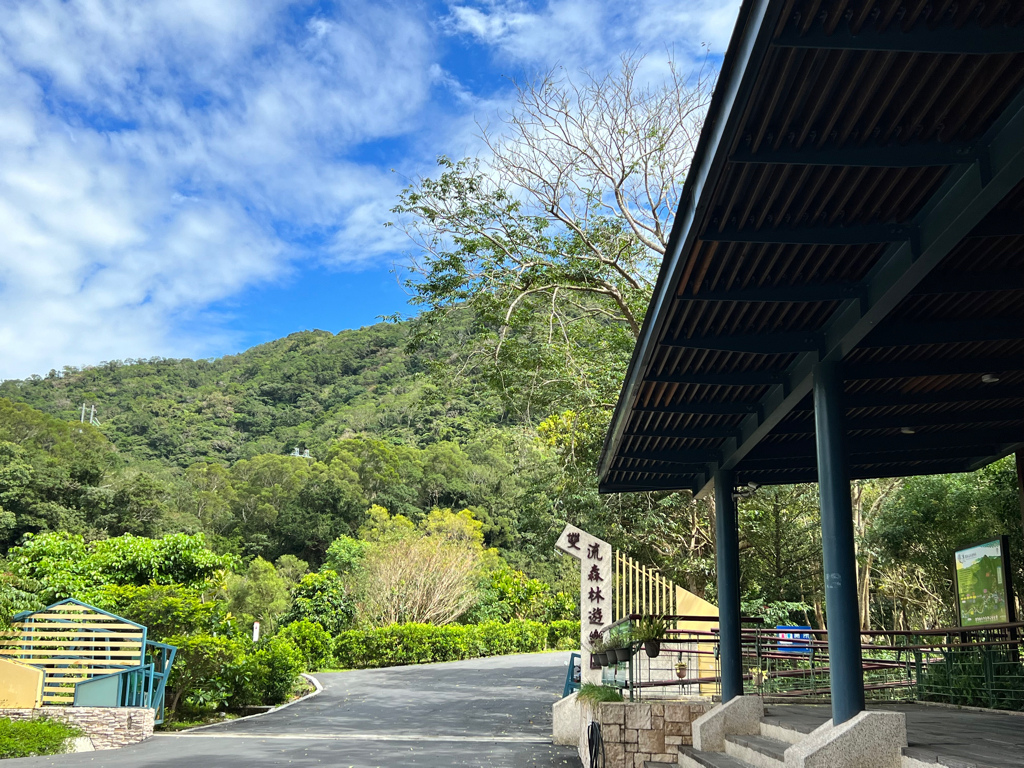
(72, 642)
(642, 590)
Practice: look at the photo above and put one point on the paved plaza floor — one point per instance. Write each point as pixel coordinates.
(484, 712)
(954, 737)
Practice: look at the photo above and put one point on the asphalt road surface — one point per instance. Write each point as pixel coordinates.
(488, 713)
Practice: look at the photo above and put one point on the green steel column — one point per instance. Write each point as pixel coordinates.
(838, 546)
(727, 561)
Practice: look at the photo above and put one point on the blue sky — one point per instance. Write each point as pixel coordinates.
(189, 178)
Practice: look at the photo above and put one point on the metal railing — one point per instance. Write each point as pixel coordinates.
(979, 667)
(140, 686)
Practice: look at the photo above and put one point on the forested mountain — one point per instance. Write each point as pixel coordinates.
(301, 391)
(204, 446)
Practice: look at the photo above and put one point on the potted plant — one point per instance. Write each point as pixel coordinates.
(649, 631)
(622, 650)
(597, 651)
(681, 669)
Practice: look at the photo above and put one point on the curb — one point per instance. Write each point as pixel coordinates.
(316, 684)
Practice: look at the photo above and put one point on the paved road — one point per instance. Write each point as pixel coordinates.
(485, 712)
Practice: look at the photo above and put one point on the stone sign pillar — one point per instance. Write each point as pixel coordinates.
(596, 587)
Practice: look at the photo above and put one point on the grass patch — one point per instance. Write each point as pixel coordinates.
(31, 738)
(598, 693)
(194, 720)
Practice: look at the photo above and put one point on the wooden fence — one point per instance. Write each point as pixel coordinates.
(641, 589)
(71, 642)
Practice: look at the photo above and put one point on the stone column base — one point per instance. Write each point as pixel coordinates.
(868, 740)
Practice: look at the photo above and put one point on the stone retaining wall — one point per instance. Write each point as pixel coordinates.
(105, 727)
(634, 732)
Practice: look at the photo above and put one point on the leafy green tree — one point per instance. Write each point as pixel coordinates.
(260, 593)
(345, 554)
(63, 565)
(322, 598)
(918, 529)
(780, 549)
(167, 610)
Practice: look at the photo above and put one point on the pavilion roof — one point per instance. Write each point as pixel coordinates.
(857, 195)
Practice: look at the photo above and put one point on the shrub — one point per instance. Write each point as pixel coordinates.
(398, 644)
(265, 676)
(166, 610)
(498, 638)
(564, 635)
(313, 642)
(198, 674)
(597, 693)
(321, 597)
(30, 738)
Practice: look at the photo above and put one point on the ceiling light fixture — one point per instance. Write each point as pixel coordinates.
(907, 430)
(989, 378)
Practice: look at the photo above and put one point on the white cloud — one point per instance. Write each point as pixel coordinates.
(578, 33)
(156, 157)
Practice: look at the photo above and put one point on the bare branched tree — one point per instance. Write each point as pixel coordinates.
(588, 149)
(423, 579)
(555, 236)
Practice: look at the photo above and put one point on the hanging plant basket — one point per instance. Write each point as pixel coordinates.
(610, 658)
(653, 648)
(622, 654)
(681, 669)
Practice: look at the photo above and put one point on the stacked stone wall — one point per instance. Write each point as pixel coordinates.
(105, 727)
(635, 732)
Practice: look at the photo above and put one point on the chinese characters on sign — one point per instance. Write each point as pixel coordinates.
(595, 589)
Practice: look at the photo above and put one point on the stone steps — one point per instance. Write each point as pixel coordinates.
(792, 733)
(757, 751)
(694, 758)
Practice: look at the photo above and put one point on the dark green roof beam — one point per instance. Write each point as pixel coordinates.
(968, 195)
(855, 234)
(701, 409)
(783, 293)
(968, 283)
(902, 369)
(910, 420)
(921, 442)
(899, 334)
(686, 433)
(738, 379)
(968, 39)
(912, 155)
(698, 458)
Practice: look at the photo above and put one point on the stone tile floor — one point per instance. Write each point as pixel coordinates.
(955, 736)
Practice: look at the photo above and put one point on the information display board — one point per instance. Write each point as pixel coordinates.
(983, 589)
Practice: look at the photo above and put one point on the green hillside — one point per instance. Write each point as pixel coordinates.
(303, 391)
(203, 446)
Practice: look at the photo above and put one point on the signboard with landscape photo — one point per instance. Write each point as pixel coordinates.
(982, 584)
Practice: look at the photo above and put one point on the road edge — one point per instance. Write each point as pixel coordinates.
(316, 684)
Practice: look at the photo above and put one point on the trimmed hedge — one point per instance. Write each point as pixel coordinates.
(400, 644)
(564, 635)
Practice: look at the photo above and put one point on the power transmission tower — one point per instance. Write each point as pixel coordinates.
(92, 415)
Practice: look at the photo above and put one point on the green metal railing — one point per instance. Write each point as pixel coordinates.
(140, 686)
(981, 667)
